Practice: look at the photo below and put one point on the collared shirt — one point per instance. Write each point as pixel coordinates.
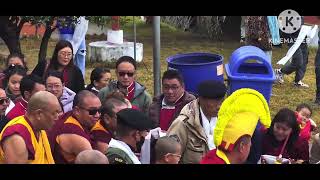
(165, 105)
(208, 127)
(167, 113)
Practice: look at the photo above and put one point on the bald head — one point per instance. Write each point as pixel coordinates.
(91, 157)
(41, 100)
(43, 110)
(80, 97)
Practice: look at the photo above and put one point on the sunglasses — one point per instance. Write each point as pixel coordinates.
(129, 74)
(4, 100)
(92, 112)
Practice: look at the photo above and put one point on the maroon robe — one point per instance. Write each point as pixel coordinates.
(212, 158)
(64, 127)
(100, 133)
(22, 131)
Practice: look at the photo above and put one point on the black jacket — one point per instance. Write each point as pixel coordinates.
(75, 79)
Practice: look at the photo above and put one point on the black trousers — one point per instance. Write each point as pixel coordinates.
(299, 62)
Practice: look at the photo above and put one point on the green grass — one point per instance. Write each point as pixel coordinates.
(173, 42)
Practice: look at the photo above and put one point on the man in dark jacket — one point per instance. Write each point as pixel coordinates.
(135, 92)
(166, 107)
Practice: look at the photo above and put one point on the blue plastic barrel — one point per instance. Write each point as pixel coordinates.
(249, 67)
(197, 67)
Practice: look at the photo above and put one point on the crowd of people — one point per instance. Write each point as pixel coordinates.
(50, 116)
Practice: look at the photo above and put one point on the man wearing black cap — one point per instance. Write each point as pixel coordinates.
(195, 124)
(132, 128)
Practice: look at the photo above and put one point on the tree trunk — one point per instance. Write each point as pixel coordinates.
(45, 40)
(9, 33)
(19, 28)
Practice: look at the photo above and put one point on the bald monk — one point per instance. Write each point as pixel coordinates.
(91, 157)
(24, 139)
(71, 134)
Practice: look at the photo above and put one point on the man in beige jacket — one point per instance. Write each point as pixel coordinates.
(195, 124)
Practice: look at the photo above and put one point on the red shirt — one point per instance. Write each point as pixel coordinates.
(19, 109)
(166, 116)
(65, 76)
(305, 130)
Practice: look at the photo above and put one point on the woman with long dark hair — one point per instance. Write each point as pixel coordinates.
(11, 83)
(62, 61)
(283, 126)
(13, 59)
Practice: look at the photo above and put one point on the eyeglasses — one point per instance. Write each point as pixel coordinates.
(65, 54)
(4, 100)
(92, 112)
(53, 86)
(174, 88)
(130, 74)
